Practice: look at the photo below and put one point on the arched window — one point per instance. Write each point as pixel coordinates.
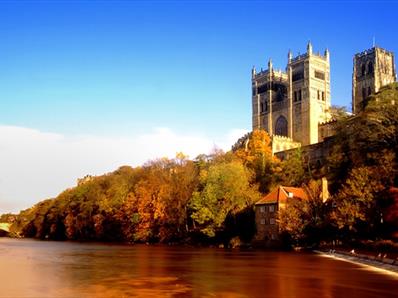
(281, 126)
(370, 67)
(363, 69)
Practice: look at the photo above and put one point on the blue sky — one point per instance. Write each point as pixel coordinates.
(122, 70)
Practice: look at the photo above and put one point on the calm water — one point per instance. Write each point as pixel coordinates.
(31, 268)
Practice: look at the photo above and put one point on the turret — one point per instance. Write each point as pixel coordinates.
(253, 72)
(309, 48)
(270, 64)
(327, 54)
(289, 56)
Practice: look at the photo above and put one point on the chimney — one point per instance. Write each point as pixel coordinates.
(325, 192)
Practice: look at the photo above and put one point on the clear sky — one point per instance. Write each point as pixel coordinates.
(86, 86)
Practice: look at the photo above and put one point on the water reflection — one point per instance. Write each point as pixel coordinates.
(63, 269)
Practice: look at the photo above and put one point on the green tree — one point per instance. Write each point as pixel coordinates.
(293, 172)
(225, 189)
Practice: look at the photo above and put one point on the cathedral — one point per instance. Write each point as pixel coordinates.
(293, 106)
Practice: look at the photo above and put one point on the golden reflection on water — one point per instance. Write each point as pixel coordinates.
(62, 269)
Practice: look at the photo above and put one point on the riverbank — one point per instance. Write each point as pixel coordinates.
(387, 265)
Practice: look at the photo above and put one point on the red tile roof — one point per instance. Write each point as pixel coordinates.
(281, 194)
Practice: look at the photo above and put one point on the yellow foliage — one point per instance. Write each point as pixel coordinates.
(259, 144)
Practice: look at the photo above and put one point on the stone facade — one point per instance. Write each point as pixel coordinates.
(281, 143)
(292, 103)
(266, 222)
(373, 69)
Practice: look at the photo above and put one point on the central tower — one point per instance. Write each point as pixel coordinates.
(293, 103)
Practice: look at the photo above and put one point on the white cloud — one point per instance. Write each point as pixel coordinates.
(36, 165)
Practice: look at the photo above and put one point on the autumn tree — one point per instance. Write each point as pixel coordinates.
(363, 163)
(302, 221)
(255, 152)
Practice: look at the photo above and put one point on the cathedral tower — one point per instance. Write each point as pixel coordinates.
(373, 69)
(291, 104)
(309, 76)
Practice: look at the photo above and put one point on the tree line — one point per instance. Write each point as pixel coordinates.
(211, 198)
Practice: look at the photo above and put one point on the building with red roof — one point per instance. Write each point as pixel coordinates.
(266, 212)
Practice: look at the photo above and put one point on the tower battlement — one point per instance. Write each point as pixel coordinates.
(291, 103)
(372, 69)
(293, 106)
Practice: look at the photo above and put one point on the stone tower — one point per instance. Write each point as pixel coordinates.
(269, 99)
(291, 104)
(373, 69)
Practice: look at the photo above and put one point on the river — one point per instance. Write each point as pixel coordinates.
(30, 268)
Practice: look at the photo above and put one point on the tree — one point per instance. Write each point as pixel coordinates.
(364, 139)
(363, 164)
(302, 221)
(224, 189)
(293, 171)
(255, 152)
(357, 199)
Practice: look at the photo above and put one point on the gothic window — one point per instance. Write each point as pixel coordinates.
(319, 75)
(319, 95)
(281, 126)
(370, 67)
(323, 95)
(299, 75)
(262, 89)
(299, 95)
(261, 107)
(363, 69)
(279, 95)
(295, 96)
(363, 93)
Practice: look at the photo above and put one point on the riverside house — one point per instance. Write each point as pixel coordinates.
(266, 213)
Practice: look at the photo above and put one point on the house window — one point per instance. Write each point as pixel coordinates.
(272, 208)
(272, 221)
(263, 221)
(262, 209)
(299, 95)
(319, 95)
